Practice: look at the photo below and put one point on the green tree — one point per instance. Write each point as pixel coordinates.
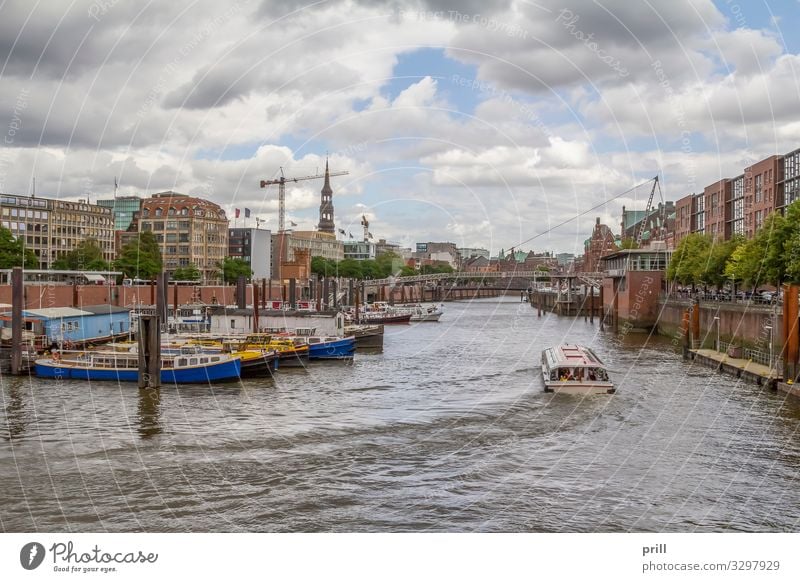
(13, 252)
(350, 268)
(231, 269)
(87, 256)
(187, 273)
(323, 267)
(792, 244)
(434, 269)
(140, 258)
(407, 271)
(629, 243)
(689, 263)
(719, 255)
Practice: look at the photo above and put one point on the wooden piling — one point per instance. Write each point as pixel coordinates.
(255, 307)
(791, 334)
(149, 338)
(293, 293)
(591, 305)
(162, 297)
(17, 300)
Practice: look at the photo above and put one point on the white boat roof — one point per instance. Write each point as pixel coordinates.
(572, 355)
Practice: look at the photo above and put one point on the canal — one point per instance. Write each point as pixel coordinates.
(447, 430)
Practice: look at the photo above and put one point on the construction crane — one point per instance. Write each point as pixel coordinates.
(643, 223)
(281, 182)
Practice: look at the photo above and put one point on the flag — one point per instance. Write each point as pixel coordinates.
(292, 223)
(351, 235)
(341, 231)
(115, 182)
(370, 234)
(247, 213)
(236, 210)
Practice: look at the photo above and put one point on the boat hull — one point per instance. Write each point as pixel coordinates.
(219, 372)
(259, 367)
(579, 388)
(386, 319)
(342, 349)
(293, 359)
(426, 317)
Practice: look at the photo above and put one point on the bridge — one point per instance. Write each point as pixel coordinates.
(391, 281)
(591, 279)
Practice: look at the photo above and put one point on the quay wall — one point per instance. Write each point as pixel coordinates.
(739, 324)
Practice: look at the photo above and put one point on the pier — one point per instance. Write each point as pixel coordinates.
(746, 369)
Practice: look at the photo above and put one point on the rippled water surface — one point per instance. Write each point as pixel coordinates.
(447, 430)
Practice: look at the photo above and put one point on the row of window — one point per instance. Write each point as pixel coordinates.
(200, 212)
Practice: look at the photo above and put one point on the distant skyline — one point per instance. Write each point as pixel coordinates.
(479, 123)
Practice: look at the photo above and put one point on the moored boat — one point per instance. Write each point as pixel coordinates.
(191, 366)
(368, 337)
(429, 313)
(331, 348)
(292, 352)
(574, 369)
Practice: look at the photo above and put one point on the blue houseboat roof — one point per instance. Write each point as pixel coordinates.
(47, 313)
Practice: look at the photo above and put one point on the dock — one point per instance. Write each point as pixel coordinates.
(738, 367)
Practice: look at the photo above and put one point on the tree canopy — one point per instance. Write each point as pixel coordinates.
(772, 256)
(188, 273)
(140, 258)
(87, 256)
(231, 269)
(13, 252)
(383, 266)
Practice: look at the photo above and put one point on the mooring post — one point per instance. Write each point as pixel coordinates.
(255, 307)
(591, 305)
(149, 343)
(162, 296)
(17, 300)
(335, 291)
(293, 293)
(791, 337)
(326, 293)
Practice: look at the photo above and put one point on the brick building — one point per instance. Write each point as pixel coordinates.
(717, 200)
(601, 243)
(189, 230)
(760, 193)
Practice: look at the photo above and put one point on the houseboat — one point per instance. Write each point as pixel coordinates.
(190, 366)
(574, 369)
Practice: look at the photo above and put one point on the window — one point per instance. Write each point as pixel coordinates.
(233, 323)
(158, 212)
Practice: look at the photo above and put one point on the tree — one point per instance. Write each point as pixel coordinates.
(13, 252)
(187, 273)
(231, 269)
(792, 244)
(719, 255)
(407, 271)
(323, 267)
(689, 263)
(87, 256)
(629, 243)
(350, 268)
(140, 258)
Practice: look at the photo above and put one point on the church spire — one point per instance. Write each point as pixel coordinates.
(326, 205)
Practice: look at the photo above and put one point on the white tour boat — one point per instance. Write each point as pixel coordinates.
(574, 369)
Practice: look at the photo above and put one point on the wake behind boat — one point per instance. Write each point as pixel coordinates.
(574, 369)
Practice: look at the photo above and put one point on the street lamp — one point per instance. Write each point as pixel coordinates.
(716, 320)
(769, 327)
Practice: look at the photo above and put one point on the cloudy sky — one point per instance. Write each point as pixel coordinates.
(479, 122)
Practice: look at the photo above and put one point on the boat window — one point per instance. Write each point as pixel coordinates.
(203, 360)
(192, 361)
(180, 362)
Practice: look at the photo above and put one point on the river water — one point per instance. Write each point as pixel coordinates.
(447, 430)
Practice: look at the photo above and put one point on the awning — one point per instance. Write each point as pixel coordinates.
(92, 278)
